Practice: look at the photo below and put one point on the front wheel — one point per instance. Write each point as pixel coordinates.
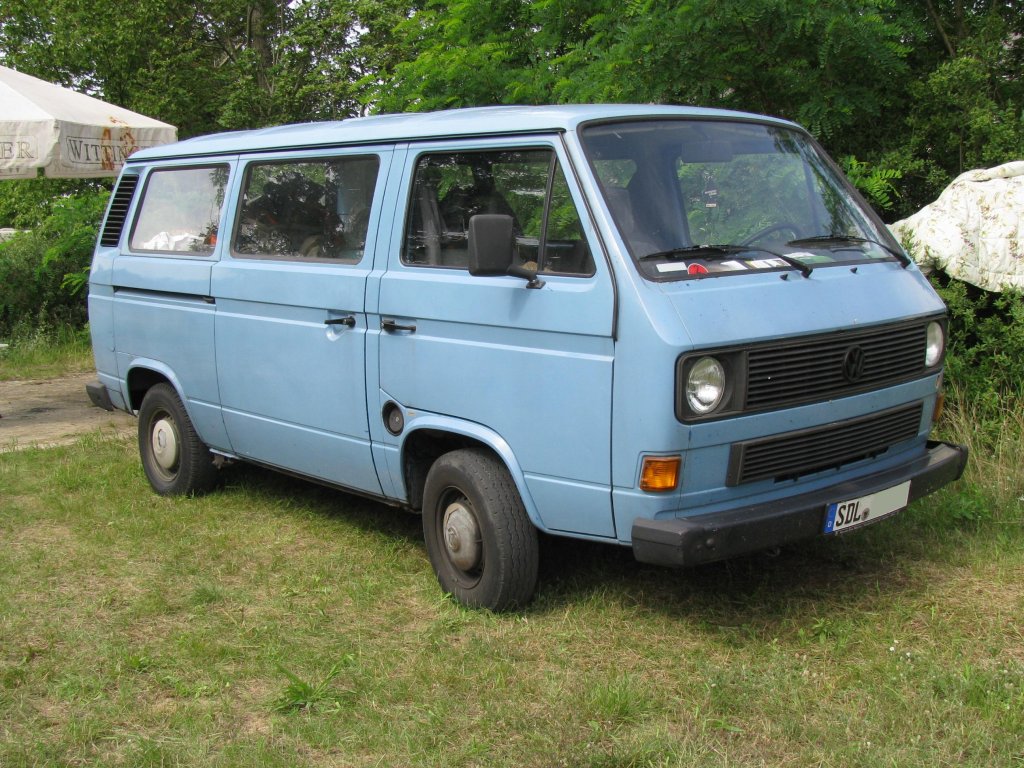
(479, 538)
(175, 460)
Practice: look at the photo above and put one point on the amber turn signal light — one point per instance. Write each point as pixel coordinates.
(660, 473)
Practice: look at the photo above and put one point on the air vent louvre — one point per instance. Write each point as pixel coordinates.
(118, 213)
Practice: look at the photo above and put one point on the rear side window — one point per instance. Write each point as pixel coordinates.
(180, 210)
(449, 188)
(311, 209)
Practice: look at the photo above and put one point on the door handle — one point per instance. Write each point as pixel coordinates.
(348, 320)
(392, 326)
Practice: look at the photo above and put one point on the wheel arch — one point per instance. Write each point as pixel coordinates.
(430, 437)
(142, 376)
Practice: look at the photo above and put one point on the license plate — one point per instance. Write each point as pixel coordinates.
(853, 513)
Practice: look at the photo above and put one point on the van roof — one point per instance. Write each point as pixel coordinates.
(418, 126)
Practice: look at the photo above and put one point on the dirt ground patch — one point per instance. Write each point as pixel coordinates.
(42, 413)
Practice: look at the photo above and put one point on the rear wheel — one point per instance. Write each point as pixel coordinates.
(175, 460)
(480, 540)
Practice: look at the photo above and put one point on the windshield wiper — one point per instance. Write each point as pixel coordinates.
(727, 249)
(690, 250)
(901, 257)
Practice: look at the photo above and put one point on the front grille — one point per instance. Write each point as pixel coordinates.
(820, 367)
(795, 454)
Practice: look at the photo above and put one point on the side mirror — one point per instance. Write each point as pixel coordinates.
(490, 244)
(492, 248)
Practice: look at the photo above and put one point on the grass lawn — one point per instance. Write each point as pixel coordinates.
(45, 355)
(275, 623)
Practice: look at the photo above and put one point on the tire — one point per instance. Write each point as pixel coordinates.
(479, 538)
(175, 460)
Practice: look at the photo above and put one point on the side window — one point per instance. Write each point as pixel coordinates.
(311, 209)
(180, 210)
(450, 188)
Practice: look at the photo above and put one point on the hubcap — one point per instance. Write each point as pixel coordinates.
(165, 444)
(461, 536)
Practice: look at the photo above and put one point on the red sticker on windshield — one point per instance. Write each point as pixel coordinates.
(697, 269)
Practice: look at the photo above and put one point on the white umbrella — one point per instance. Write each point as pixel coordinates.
(71, 135)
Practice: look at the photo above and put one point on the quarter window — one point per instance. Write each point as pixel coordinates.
(180, 210)
(528, 185)
(314, 209)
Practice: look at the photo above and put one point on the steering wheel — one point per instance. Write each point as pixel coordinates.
(782, 226)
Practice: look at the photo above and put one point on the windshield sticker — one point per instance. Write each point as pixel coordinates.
(813, 258)
(766, 263)
(674, 266)
(702, 267)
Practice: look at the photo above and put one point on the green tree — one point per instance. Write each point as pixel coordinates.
(829, 66)
(918, 91)
(965, 94)
(203, 67)
(462, 53)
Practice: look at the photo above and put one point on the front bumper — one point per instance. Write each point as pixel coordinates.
(720, 535)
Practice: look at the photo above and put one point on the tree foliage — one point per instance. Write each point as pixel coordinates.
(204, 67)
(916, 90)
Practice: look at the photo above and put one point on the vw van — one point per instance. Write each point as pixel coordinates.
(672, 329)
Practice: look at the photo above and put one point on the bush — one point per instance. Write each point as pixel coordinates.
(985, 358)
(43, 271)
(985, 397)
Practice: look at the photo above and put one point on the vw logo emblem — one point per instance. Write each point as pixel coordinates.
(853, 364)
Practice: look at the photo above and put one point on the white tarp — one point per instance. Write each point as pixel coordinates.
(975, 230)
(71, 135)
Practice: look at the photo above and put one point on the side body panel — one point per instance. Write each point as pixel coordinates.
(291, 338)
(532, 366)
(162, 312)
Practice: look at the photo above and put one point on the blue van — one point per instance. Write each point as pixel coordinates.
(678, 330)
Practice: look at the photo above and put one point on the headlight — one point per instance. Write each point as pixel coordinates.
(936, 343)
(705, 385)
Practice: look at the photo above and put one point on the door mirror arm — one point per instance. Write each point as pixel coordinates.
(530, 275)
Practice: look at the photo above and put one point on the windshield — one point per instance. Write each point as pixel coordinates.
(699, 198)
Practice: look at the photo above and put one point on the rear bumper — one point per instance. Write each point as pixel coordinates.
(99, 396)
(720, 535)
